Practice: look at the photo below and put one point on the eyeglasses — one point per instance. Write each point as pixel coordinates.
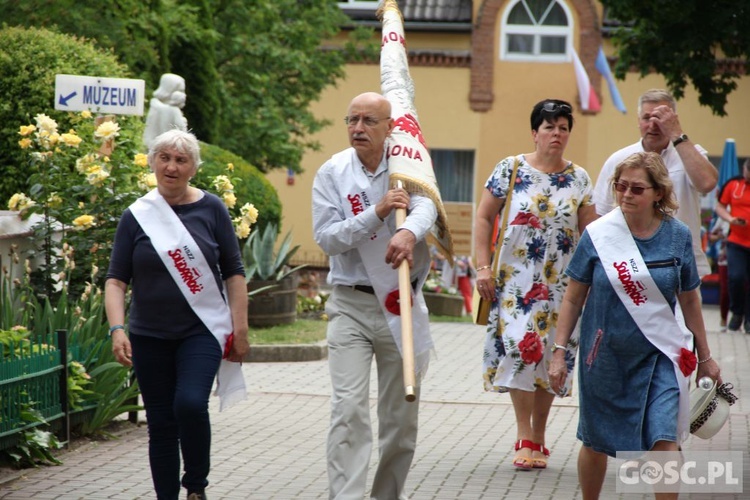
(636, 190)
(552, 107)
(369, 121)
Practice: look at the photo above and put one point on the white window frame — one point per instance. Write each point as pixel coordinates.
(358, 4)
(537, 31)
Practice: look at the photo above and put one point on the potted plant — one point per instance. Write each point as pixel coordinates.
(271, 282)
(440, 299)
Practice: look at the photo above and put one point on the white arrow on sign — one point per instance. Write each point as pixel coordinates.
(117, 96)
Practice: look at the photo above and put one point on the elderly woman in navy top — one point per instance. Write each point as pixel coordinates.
(169, 342)
(630, 268)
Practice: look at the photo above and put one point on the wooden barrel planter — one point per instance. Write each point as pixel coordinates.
(276, 306)
(443, 304)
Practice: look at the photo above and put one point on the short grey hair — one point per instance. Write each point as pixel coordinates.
(184, 142)
(657, 95)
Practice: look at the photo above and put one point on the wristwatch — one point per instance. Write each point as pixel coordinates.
(558, 346)
(682, 138)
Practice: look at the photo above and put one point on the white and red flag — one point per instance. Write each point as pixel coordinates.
(589, 100)
(408, 157)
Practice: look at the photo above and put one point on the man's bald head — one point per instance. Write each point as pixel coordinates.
(372, 99)
(369, 124)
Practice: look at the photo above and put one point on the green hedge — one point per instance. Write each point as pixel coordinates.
(250, 184)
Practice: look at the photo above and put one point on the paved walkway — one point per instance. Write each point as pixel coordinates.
(272, 445)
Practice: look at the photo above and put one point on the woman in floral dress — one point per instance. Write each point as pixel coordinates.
(550, 206)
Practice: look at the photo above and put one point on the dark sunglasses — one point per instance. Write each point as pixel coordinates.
(552, 107)
(636, 190)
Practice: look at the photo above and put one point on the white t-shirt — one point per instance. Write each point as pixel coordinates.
(687, 196)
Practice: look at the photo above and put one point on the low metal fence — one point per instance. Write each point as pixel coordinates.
(37, 375)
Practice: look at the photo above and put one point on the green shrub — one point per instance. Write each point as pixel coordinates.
(29, 60)
(250, 184)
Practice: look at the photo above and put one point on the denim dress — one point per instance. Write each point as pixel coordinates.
(629, 396)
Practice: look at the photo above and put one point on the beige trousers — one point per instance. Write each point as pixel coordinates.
(357, 331)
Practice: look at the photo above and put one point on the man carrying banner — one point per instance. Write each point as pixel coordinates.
(354, 223)
(355, 203)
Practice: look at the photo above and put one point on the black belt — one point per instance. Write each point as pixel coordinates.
(371, 290)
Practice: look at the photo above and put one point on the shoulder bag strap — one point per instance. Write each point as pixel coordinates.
(504, 223)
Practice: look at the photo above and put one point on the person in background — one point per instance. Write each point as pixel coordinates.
(354, 223)
(176, 247)
(735, 196)
(459, 276)
(718, 238)
(550, 205)
(691, 173)
(630, 268)
(465, 274)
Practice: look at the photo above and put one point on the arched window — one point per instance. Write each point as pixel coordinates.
(360, 4)
(536, 30)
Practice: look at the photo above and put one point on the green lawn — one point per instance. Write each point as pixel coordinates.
(302, 331)
(308, 331)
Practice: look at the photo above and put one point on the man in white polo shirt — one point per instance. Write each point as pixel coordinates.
(689, 169)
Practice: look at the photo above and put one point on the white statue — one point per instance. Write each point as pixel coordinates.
(164, 109)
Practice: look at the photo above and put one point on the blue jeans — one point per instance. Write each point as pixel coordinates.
(175, 378)
(738, 269)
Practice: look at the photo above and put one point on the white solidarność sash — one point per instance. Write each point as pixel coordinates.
(356, 194)
(188, 267)
(629, 276)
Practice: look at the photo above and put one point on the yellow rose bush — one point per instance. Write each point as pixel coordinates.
(81, 181)
(248, 214)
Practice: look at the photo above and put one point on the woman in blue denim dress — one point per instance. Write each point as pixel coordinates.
(628, 390)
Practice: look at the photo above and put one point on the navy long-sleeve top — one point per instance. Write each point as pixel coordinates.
(158, 308)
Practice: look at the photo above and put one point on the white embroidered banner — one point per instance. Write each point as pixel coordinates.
(408, 157)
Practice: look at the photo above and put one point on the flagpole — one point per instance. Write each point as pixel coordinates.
(407, 334)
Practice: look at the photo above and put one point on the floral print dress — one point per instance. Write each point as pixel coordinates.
(538, 243)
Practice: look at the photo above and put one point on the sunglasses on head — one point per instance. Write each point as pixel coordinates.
(636, 190)
(552, 107)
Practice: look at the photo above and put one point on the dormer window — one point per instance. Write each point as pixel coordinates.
(535, 30)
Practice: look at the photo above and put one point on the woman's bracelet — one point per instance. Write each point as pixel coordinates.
(114, 328)
(701, 361)
(482, 268)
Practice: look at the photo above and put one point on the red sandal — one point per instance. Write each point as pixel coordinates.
(539, 463)
(520, 462)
